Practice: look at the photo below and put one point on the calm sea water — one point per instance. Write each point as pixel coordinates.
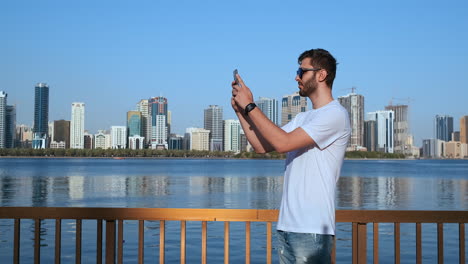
(246, 184)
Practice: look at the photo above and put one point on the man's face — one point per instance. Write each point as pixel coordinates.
(307, 84)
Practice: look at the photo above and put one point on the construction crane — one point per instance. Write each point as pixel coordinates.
(353, 89)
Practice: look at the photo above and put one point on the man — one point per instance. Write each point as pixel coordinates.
(315, 142)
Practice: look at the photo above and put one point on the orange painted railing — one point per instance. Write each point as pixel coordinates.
(115, 216)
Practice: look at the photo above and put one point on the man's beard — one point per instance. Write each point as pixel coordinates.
(309, 88)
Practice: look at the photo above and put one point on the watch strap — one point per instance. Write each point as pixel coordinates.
(249, 108)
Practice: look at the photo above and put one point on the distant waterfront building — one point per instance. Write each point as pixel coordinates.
(136, 142)
(57, 145)
(77, 126)
(197, 139)
(464, 129)
(243, 141)
(213, 121)
(88, 140)
(370, 135)
(456, 136)
(102, 140)
(51, 131)
(291, 105)
(401, 128)
(41, 116)
(269, 107)
(232, 135)
(3, 128)
(24, 136)
(119, 137)
(455, 150)
(62, 132)
(176, 142)
(10, 129)
(134, 123)
(142, 107)
(443, 127)
(384, 120)
(354, 104)
(159, 126)
(433, 148)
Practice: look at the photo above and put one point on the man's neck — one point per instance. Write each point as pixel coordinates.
(320, 99)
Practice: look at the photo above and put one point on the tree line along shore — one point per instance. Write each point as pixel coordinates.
(152, 153)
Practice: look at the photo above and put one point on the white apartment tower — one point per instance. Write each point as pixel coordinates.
(3, 129)
(119, 137)
(354, 103)
(232, 140)
(77, 126)
(142, 107)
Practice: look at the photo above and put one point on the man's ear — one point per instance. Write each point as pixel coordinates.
(322, 75)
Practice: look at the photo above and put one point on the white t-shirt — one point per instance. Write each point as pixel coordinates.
(311, 173)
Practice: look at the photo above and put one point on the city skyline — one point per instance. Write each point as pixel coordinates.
(124, 52)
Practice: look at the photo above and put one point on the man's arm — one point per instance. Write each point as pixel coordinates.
(278, 139)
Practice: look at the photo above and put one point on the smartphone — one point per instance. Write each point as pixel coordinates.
(235, 77)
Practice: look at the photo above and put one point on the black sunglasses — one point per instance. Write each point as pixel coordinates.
(301, 71)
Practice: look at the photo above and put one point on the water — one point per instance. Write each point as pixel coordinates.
(236, 184)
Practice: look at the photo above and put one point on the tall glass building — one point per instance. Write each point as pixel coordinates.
(134, 123)
(213, 121)
(41, 116)
(443, 127)
(159, 125)
(269, 107)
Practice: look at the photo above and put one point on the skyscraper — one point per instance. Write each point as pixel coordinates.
(354, 103)
(41, 116)
(134, 123)
(370, 135)
(62, 132)
(464, 129)
(142, 107)
(77, 126)
(3, 105)
(385, 121)
(401, 128)
(213, 120)
(269, 107)
(291, 105)
(10, 122)
(232, 135)
(119, 137)
(159, 126)
(443, 127)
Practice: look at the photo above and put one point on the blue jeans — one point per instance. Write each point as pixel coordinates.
(304, 247)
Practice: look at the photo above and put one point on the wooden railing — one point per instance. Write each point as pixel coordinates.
(115, 216)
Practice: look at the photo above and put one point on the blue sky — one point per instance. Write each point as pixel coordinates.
(111, 54)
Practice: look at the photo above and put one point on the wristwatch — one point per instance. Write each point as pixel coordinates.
(249, 108)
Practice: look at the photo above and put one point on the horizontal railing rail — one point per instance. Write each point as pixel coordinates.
(114, 218)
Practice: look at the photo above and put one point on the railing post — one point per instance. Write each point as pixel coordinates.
(110, 241)
(359, 243)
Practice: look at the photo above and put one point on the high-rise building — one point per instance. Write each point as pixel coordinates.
(142, 107)
(24, 136)
(3, 128)
(232, 135)
(134, 123)
(269, 107)
(443, 127)
(77, 126)
(456, 136)
(464, 129)
(370, 135)
(291, 105)
(159, 126)
(176, 142)
(41, 116)
(102, 140)
(401, 128)
(354, 104)
(88, 140)
(197, 139)
(10, 133)
(62, 132)
(136, 142)
(119, 137)
(385, 121)
(213, 121)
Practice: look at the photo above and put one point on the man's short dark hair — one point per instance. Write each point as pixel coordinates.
(321, 58)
